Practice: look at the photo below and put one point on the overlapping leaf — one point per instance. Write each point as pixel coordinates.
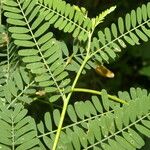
(8, 62)
(92, 124)
(74, 62)
(131, 30)
(97, 124)
(40, 51)
(19, 88)
(17, 130)
(65, 17)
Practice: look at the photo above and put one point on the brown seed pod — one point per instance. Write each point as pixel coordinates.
(103, 71)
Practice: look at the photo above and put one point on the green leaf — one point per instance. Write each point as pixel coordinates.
(48, 121)
(56, 115)
(116, 47)
(129, 138)
(13, 15)
(54, 98)
(24, 75)
(40, 127)
(10, 3)
(133, 18)
(33, 13)
(16, 22)
(61, 76)
(27, 52)
(79, 109)
(143, 130)
(97, 104)
(47, 83)
(53, 19)
(134, 38)
(128, 22)
(105, 99)
(58, 23)
(71, 113)
(40, 70)
(122, 43)
(12, 9)
(37, 22)
(124, 143)
(7, 93)
(18, 80)
(144, 12)
(48, 142)
(148, 8)
(139, 15)
(43, 77)
(90, 107)
(22, 36)
(114, 30)
(141, 35)
(119, 118)
(129, 40)
(51, 89)
(136, 137)
(94, 125)
(26, 4)
(35, 65)
(76, 32)
(24, 43)
(4, 147)
(45, 38)
(31, 59)
(104, 56)
(12, 87)
(18, 30)
(107, 34)
(81, 135)
(30, 7)
(5, 140)
(28, 145)
(102, 37)
(42, 29)
(20, 116)
(110, 52)
(121, 25)
(115, 145)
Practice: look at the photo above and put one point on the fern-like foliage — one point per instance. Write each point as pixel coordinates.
(131, 30)
(41, 52)
(110, 42)
(34, 63)
(20, 88)
(8, 56)
(9, 59)
(65, 17)
(17, 131)
(101, 125)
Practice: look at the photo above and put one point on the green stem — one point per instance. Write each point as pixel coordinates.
(99, 93)
(66, 101)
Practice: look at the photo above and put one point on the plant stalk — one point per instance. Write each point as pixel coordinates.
(66, 101)
(114, 98)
